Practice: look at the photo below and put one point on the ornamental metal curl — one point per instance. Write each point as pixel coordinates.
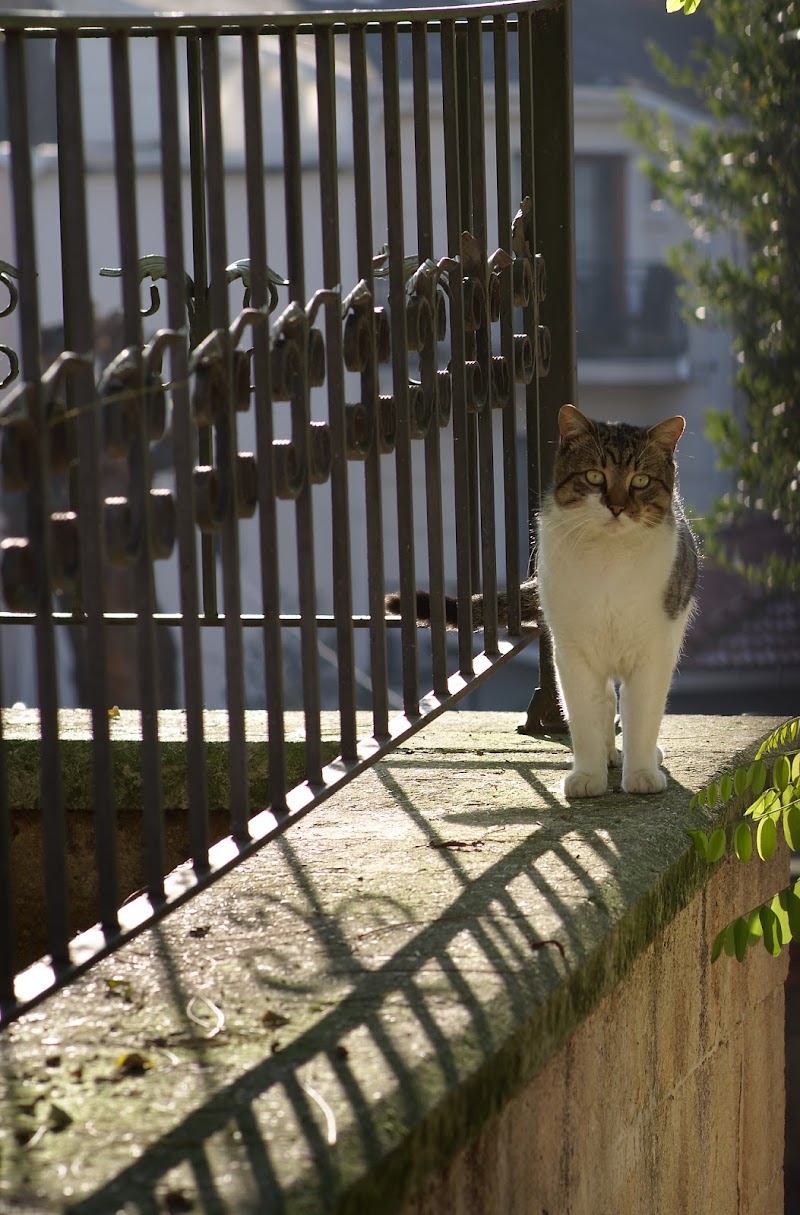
(7, 275)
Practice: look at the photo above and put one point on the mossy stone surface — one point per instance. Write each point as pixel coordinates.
(23, 751)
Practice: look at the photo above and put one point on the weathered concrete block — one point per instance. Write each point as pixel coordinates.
(666, 1098)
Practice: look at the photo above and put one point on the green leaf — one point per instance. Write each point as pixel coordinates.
(711, 793)
(725, 789)
(791, 826)
(743, 842)
(740, 781)
(768, 745)
(766, 838)
(781, 773)
(741, 937)
(717, 947)
(764, 804)
(754, 924)
(757, 776)
(796, 766)
(702, 797)
(716, 845)
(701, 843)
(674, 6)
(690, 6)
(780, 906)
(772, 930)
(793, 910)
(729, 940)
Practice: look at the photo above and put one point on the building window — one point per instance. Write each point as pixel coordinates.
(625, 309)
(600, 249)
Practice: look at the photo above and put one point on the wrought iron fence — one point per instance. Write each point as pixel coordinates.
(407, 339)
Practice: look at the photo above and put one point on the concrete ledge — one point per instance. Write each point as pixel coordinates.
(21, 737)
(445, 990)
(23, 767)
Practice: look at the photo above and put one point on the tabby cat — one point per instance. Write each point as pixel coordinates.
(615, 581)
(617, 573)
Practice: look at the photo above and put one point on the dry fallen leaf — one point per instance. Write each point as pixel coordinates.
(273, 1020)
(133, 1063)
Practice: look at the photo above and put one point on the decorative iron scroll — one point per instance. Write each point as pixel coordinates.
(133, 401)
(7, 275)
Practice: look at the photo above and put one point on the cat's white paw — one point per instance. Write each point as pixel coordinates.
(585, 784)
(646, 780)
(614, 757)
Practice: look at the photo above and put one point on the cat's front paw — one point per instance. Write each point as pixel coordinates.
(614, 757)
(585, 784)
(646, 780)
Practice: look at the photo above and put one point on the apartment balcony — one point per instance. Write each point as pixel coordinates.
(630, 329)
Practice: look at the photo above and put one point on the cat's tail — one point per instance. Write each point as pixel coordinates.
(529, 608)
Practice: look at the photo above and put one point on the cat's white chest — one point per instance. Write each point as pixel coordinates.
(603, 595)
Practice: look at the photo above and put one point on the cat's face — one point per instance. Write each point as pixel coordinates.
(614, 475)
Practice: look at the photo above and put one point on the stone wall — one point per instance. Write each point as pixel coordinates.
(445, 991)
(667, 1100)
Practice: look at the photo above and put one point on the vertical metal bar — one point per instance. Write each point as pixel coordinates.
(555, 224)
(464, 143)
(38, 508)
(465, 185)
(139, 463)
(554, 156)
(397, 304)
(78, 335)
(183, 454)
(531, 313)
(225, 432)
(433, 469)
(534, 719)
(460, 429)
(267, 511)
(369, 386)
(331, 268)
(300, 408)
(483, 339)
(201, 324)
(547, 154)
(214, 181)
(505, 212)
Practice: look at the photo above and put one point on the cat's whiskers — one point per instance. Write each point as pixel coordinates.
(572, 531)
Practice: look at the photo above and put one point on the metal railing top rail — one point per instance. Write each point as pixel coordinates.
(370, 365)
(46, 22)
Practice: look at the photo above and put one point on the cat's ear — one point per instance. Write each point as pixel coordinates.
(667, 433)
(572, 423)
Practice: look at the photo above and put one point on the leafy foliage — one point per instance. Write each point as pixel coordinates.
(739, 175)
(688, 6)
(772, 783)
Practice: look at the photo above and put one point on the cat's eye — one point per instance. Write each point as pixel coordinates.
(639, 480)
(595, 477)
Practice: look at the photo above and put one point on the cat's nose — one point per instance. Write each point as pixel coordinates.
(616, 511)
